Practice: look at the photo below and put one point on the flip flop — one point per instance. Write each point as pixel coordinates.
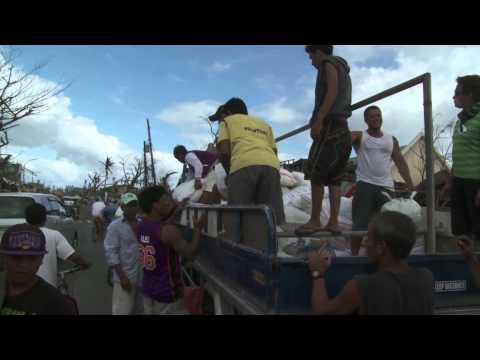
(306, 230)
(334, 232)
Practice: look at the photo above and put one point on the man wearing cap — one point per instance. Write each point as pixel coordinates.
(121, 250)
(22, 250)
(249, 155)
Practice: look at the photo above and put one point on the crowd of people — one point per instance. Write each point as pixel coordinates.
(144, 248)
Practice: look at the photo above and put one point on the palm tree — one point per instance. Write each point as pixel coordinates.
(107, 165)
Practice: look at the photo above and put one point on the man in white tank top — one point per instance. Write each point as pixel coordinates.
(376, 151)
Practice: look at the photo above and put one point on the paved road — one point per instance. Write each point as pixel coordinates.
(90, 287)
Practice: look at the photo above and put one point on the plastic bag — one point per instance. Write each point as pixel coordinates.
(97, 208)
(295, 216)
(407, 207)
(300, 177)
(221, 176)
(287, 179)
(187, 191)
(299, 197)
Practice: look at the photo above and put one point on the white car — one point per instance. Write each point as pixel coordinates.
(12, 212)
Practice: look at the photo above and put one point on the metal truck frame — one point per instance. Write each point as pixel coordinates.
(239, 267)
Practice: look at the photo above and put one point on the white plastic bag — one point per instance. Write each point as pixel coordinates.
(300, 177)
(407, 207)
(287, 179)
(296, 216)
(221, 176)
(187, 191)
(97, 208)
(299, 197)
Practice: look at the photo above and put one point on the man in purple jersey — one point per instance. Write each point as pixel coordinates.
(161, 245)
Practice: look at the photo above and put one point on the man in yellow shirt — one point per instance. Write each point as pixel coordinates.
(248, 153)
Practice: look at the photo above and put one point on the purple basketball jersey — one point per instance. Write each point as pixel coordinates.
(162, 280)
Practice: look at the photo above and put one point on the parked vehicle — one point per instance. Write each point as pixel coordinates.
(12, 212)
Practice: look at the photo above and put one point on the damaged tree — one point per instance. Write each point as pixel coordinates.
(19, 97)
(132, 172)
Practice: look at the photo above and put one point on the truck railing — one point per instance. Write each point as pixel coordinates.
(425, 80)
(228, 223)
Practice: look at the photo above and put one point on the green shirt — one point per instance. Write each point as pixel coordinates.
(466, 148)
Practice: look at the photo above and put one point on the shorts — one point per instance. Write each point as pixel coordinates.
(257, 185)
(367, 201)
(328, 156)
(153, 307)
(126, 303)
(464, 215)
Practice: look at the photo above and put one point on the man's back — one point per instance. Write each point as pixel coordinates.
(252, 142)
(387, 293)
(57, 247)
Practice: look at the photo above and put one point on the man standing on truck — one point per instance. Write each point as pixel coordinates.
(395, 289)
(161, 245)
(332, 143)
(464, 184)
(248, 153)
(375, 150)
(57, 246)
(121, 252)
(199, 165)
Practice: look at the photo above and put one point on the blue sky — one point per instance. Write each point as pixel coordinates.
(115, 88)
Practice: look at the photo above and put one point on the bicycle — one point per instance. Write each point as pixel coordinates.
(63, 285)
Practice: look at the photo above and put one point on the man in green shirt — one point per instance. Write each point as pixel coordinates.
(464, 183)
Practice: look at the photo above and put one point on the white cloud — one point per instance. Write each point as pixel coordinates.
(219, 67)
(165, 163)
(175, 78)
(270, 84)
(190, 119)
(278, 112)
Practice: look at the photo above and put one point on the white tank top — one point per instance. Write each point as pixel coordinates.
(374, 161)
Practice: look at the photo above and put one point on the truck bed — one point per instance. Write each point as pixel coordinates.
(241, 262)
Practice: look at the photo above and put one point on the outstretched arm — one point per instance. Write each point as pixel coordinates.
(401, 164)
(174, 239)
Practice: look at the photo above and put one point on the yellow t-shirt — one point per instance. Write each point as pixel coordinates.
(251, 140)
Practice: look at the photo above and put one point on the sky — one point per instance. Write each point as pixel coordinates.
(114, 89)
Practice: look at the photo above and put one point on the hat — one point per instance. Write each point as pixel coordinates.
(127, 198)
(23, 239)
(235, 106)
(215, 117)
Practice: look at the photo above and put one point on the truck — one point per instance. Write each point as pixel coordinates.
(242, 272)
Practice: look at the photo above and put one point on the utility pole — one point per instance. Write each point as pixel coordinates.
(145, 167)
(151, 153)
